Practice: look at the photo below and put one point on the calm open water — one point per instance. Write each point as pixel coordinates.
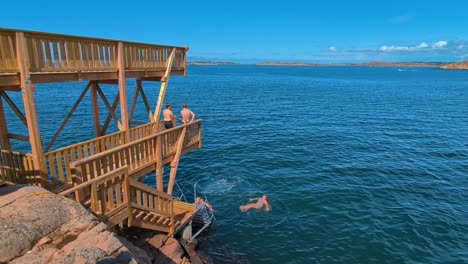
(362, 164)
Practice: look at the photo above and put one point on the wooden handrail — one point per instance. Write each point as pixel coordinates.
(17, 167)
(105, 195)
(95, 180)
(50, 52)
(58, 161)
(148, 199)
(142, 140)
(138, 154)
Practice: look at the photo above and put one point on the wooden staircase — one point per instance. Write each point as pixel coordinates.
(116, 198)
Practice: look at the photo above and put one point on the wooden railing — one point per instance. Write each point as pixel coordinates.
(113, 197)
(145, 56)
(145, 198)
(105, 195)
(8, 62)
(58, 161)
(145, 130)
(136, 155)
(17, 167)
(47, 52)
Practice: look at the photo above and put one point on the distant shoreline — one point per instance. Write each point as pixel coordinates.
(443, 65)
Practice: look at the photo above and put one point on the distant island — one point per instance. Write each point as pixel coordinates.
(210, 63)
(372, 63)
(442, 65)
(456, 65)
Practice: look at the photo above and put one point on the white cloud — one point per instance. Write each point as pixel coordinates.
(393, 48)
(422, 45)
(440, 44)
(332, 49)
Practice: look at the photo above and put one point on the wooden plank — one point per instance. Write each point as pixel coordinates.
(109, 187)
(102, 198)
(95, 109)
(123, 93)
(119, 191)
(63, 54)
(56, 59)
(30, 110)
(13, 107)
(94, 198)
(38, 54)
(46, 45)
(140, 215)
(175, 162)
(4, 139)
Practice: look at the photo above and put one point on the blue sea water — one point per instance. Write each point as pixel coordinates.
(361, 164)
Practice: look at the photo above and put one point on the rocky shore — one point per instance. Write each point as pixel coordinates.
(37, 226)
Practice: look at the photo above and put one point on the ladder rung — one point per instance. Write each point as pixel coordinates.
(139, 215)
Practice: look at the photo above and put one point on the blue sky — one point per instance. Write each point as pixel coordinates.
(252, 31)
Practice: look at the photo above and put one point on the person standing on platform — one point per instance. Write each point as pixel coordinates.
(168, 116)
(187, 114)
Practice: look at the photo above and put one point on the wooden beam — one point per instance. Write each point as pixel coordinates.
(123, 92)
(159, 165)
(164, 81)
(109, 107)
(134, 100)
(13, 88)
(40, 169)
(13, 107)
(18, 137)
(95, 109)
(110, 115)
(4, 139)
(175, 161)
(147, 105)
(70, 113)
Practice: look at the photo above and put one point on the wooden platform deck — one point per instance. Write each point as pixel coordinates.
(52, 57)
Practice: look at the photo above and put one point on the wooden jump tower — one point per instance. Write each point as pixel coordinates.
(105, 173)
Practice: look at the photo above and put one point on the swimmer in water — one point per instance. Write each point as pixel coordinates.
(200, 200)
(261, 202)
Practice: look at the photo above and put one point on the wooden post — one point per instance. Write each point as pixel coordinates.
(164, 81)
(4, 139)
(159, 165)
(27, 90)
(123, 93)
(175, 161)
(95, 108)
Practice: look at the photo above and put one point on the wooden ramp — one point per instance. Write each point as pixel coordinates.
(116, 198)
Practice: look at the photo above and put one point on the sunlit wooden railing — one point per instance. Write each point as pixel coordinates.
(145, 198)
(8, 62)
(145, 130)
(17, 167)
(58, 161)
(144, 56)
(47, 52)
(107, 194)
(136, 155)
(114, 197)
